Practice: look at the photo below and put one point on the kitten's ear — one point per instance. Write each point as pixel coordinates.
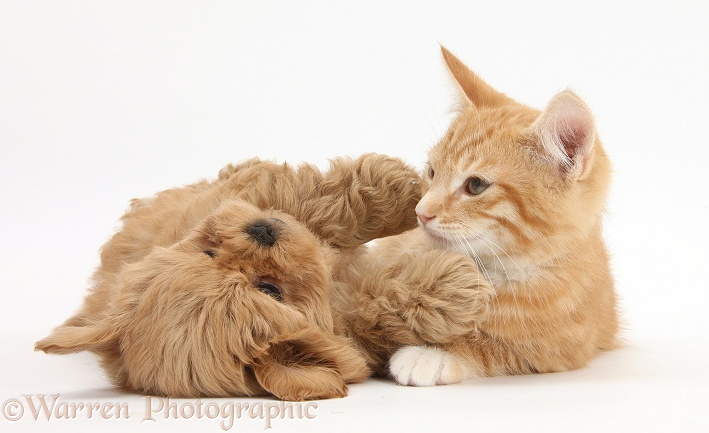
(475, 91)
(567, 133)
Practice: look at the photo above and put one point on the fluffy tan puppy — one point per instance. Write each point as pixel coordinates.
(224, 288)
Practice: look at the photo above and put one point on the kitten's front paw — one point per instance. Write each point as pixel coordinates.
(425, 366)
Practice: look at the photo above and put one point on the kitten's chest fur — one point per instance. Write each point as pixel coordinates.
(507, 273)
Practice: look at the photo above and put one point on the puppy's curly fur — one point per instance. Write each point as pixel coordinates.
(224, 288)
(387, 302)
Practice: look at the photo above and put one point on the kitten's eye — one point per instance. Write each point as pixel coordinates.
(271, 290)
(431, 172)
(210, 253)
(475, 185)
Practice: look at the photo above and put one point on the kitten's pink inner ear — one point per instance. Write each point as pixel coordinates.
(567, 133)
(476, 92)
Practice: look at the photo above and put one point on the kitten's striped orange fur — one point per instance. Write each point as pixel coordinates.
(516, 195)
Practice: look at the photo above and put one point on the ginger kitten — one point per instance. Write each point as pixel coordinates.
(521, 194)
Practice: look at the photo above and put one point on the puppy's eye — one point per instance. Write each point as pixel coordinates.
(271, 290)
(210, 253)
(431, 172)
(475, 185)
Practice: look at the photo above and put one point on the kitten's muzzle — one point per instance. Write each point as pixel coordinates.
(264, 232)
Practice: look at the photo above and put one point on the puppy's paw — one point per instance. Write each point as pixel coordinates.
(446, 297)
(426, 366)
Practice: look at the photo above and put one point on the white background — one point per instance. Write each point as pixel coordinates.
(102, 101)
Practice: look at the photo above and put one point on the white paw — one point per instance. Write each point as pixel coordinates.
(425, 366)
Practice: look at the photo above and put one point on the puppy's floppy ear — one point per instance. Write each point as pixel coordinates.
(310, 365)
(72, 339)
(207, 233)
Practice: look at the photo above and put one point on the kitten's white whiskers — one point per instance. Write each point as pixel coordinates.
(504, 269)
(485, 240)
(522, 272)
(467, 247)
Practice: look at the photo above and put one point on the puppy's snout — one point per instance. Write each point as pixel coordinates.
(263, 232)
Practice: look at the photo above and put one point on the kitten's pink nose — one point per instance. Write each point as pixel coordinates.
(424, 219)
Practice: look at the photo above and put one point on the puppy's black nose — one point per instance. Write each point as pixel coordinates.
(263, 232)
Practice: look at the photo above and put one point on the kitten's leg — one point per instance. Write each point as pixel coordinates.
(474, 355)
